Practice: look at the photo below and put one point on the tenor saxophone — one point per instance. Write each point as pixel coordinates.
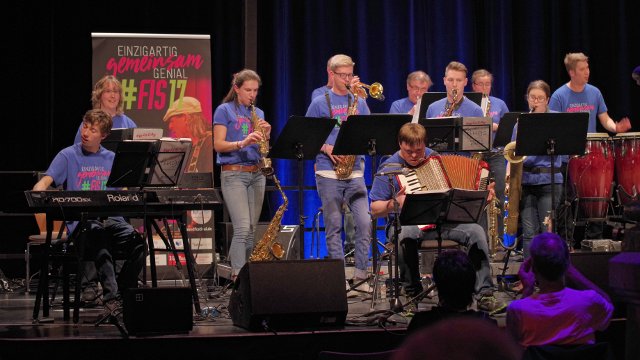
(265, 162)
(344, 168)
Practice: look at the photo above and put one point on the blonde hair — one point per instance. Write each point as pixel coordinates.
(238, 79)
(420, 76)
(99, 89)
(412, 134)
(341, 60)
(571, 60)
(457, 66)
(481, 73)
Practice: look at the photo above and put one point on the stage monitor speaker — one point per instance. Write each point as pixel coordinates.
(154, 311)
(288, 237)
(289, 295)
(595, 267)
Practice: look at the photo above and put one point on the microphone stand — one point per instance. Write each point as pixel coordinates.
(394, 302)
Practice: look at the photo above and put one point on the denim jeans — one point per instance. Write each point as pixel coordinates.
(333, 193)
(112, 239)
(534, 207)
(243, 193)
(471, 236)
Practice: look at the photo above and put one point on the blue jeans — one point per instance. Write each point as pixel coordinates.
(471, 236)
(534, 207)
(353, 192)
(243, 193)
(112, 239)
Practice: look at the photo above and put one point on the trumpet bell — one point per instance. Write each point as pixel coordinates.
(375, 90)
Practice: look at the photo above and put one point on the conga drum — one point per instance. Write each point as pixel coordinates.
(627, 151)
(592, 175)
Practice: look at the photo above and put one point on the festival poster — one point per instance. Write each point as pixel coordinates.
(166, 83)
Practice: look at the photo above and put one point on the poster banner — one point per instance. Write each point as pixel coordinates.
(166, 84)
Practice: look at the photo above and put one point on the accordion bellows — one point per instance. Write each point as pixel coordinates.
(444, 172)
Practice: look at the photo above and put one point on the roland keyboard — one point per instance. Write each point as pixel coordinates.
(70, 204)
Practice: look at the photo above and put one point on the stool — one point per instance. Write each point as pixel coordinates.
(40, 239)
(428, 250)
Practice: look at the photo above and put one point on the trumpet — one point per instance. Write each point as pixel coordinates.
(375, 90)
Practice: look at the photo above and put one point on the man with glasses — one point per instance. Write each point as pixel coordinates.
(482, 81)
(418, 83)
(334, 191)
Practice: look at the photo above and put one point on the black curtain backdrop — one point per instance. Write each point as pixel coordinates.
(47, 57)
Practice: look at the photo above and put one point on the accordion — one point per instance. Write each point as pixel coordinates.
(443, 172)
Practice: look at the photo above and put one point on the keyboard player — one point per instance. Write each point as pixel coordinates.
(86, 166)
(412, 154)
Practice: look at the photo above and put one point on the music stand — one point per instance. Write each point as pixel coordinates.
(302, 138)
(441, 133)
(505, 129)
(552, 134)
(370, 135)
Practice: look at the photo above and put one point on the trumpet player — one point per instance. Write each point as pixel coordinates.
(336, 188)
(418, 83)
(235, 141)
(535, 204)
(455, 103)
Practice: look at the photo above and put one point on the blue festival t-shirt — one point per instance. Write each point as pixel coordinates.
(588, 100)
(401, 106)
(466, 108)
(237, 119)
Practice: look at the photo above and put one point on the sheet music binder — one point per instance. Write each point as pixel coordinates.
(455, 134)
(505, 129)
(449, 206)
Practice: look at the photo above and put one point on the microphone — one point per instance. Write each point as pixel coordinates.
(403, 171)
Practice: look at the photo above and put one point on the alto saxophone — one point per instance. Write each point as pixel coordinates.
(344, 168)
(448, 111)
(268, 248)
(265, 162)
(487, 110)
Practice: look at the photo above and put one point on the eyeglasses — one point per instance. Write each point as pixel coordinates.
(417, 88)
(537, 98)
(344, 75)
(488, 84)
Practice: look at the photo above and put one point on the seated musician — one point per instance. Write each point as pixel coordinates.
(413, 152)
(86, 166)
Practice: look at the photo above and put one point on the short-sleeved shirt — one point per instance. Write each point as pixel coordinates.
(237, 119)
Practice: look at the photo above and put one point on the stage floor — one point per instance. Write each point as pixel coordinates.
(368, 328)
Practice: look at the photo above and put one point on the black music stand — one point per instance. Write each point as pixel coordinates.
(441, 133)
(302, 138)
(371, 135)
(439, 207)
(552, 134)
(505, 129)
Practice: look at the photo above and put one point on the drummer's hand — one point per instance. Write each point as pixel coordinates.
(623, 125)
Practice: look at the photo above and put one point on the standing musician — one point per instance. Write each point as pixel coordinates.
(242, 182)
(418, 83)
(579, 96)
(482, 81)
(455, 103)
(535, 204)
(334, 191)
(412, 154)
